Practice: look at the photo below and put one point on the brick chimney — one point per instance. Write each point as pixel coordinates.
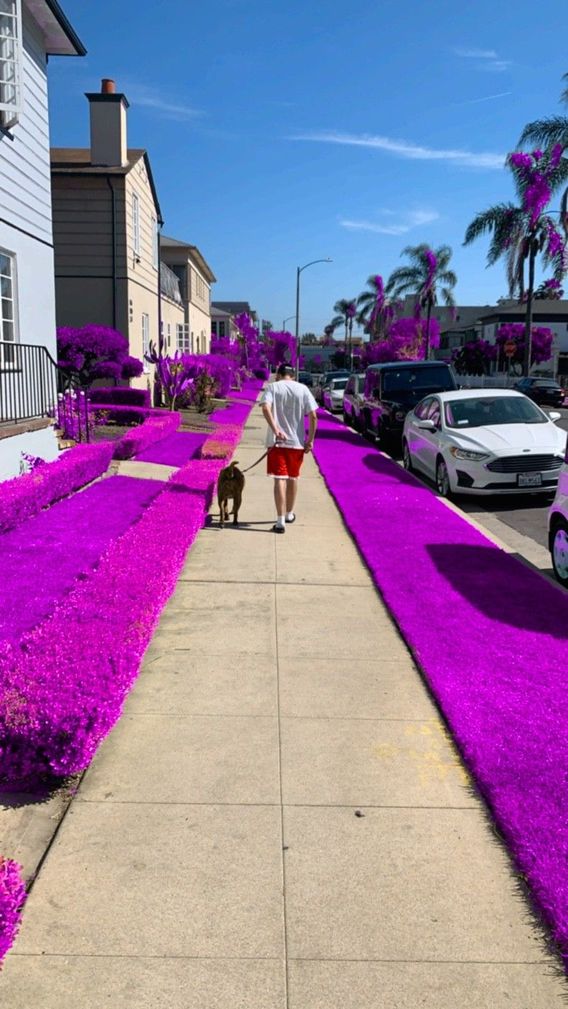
(108, 126)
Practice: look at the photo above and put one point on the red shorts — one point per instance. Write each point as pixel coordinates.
(285, 463)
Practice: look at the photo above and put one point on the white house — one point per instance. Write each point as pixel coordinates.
(30, 32)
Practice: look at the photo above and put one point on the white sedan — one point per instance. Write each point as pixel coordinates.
(484, 441)
(333, 394)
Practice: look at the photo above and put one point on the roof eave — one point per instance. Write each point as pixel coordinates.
(60, 38)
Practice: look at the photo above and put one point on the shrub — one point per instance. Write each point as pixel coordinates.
(26, 495)
(91, 352)
(64, 683)
(120, 396)
(222, 442)
(12, 897)
(124, 415)
(156, 427)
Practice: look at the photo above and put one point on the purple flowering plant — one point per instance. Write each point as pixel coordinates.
(12, 898)
(91, 352)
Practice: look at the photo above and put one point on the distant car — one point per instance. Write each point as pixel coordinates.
(333, 394)
(394, 388)
(353, 400)
(325, 380)
(484, 441)
(305, 377)
(545, 391)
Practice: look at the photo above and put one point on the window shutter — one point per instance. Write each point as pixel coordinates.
(10, 62)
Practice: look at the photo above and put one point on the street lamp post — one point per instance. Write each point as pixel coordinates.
(300, 270)
(287, 320)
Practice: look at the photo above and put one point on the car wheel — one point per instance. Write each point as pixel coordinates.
(442, 479)
(406, 457)
(559, 551)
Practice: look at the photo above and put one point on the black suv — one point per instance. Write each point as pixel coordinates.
(392, 389)
(544, 391)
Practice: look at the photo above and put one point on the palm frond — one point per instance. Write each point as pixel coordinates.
(489, 220)
(447, 277)
(564, 94)
(443, 256)
(448, 297)
(552, 130)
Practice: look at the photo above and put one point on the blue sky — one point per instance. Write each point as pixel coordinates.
(281, 132)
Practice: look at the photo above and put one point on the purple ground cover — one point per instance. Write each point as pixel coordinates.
(12, 897)
(62, 686)
(26, 496)
(157, 427)
(200, 477)
(42, 558)
(233, 413)
(222, 442)
(175, 450)
(491, 637)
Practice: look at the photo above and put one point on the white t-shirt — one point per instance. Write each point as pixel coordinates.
(290, 403)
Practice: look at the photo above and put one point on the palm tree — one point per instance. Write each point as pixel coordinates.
(376, 310)
(547, 132)
(427, 276)
(346, 309)
(522, 231)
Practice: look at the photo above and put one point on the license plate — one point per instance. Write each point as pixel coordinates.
(529, 480)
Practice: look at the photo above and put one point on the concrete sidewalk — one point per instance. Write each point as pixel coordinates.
(279, 819)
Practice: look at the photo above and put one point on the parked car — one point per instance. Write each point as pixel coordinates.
(353, 400)
(306, 378)
(325, 380)
(558, 527)
(545, 391)
(392, 389)
(484, 441)
(333, 394)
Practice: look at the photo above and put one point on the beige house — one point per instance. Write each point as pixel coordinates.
(106, 221)
(195, 278)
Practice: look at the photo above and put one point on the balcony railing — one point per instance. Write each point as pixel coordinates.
(28, 382)
(169, 284)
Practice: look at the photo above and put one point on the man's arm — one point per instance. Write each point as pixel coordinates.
(312, 432)
(267, 413)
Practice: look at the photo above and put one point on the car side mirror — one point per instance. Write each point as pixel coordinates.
(554, 415)
(427, 425)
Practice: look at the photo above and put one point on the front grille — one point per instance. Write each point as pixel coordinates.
(525, 464)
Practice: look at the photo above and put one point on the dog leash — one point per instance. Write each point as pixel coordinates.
(255, 463)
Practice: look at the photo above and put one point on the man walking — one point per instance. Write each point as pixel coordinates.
(285, 403)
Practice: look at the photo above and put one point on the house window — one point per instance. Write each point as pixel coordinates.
(145, 340)
(169, 335)
(136, 224)
(182, 338)
(155, 243)
(8, 305)
(10, 62)
(221, 329)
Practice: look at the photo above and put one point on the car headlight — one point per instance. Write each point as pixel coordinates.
(464, 453)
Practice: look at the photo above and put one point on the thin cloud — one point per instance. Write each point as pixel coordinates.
(408, 221)
(476, 54)
(486, 98)
(488, 60)
(158, 103)
(404, 149)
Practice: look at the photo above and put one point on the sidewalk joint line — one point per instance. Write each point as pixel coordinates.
(282, 836)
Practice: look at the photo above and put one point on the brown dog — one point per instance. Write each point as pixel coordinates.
(231, 484)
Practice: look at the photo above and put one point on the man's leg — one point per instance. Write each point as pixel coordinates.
(280, 499)
(291, 493)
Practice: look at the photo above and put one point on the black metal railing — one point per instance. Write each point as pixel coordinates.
(28, 382)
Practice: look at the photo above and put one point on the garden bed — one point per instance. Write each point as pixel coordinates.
(490, 636)
(27, 495)
(175, 450)
(47, 554)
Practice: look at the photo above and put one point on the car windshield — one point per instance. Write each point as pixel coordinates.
(490, 411)
(547, 383)
(339, 383)
(409, 379)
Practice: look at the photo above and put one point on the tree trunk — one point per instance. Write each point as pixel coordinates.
(529, 311)
(428, 316)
